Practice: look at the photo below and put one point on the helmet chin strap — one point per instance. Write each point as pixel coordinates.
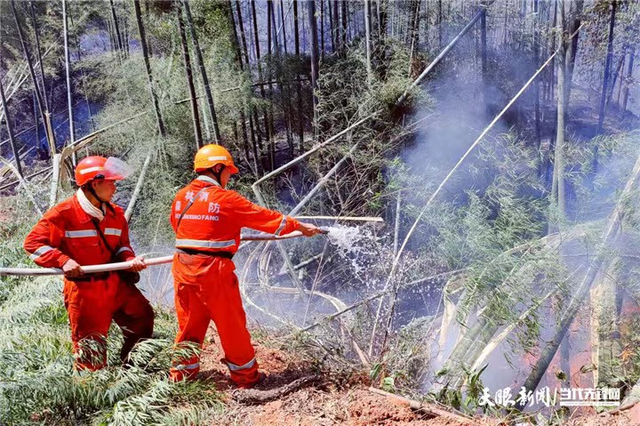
(218, 175)
(95, 194)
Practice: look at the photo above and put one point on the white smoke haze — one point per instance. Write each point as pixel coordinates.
(460, 231)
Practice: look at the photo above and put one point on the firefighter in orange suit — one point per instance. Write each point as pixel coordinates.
(76, 232)
(207, 219)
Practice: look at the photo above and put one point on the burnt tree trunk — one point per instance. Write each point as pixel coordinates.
(285, 84)
(260, 75)
(145, 55)
(336, 25)
(270, 30)
(284, 27)
(256, 138)
(625, 90)
(116, 27)
(44, 111)
(236, 45)
(299, 83)
(607, 71)
(12, 141)
(322, 29)
(367, 40)
(575, 10)
(536, 54)
(313, 27)
(332, 29)
(193, 97)
(65, 32)
(203, 73)
(618, 71)
(344, 26)
(36, 31)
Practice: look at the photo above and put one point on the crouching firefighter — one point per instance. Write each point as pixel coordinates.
(87, 229)
(207, 219)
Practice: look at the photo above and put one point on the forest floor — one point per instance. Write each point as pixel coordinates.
(318, 397)
(297, 392)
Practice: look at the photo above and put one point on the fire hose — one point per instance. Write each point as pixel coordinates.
(119, 266)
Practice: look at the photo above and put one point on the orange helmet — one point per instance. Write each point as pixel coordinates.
(210, 155)
(96, 167)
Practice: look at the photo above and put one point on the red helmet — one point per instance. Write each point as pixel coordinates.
(96, 167)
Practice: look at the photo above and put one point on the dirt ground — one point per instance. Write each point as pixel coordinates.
(625, 418)
(329, 399)
(335, 398)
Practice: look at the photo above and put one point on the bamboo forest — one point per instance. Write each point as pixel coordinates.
(400, 212)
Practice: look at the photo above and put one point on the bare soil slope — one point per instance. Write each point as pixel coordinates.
(317, 398)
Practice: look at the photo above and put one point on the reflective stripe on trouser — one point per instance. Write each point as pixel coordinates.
(184, 369)
(92, 306)
(217, 299)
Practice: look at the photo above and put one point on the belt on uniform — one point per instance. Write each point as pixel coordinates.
(97, 276)
(225, 254)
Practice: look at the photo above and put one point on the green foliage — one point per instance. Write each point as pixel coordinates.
(39, 384)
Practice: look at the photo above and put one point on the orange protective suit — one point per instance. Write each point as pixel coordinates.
(66, 232)
(206, 287)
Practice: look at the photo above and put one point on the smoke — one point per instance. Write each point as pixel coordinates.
(465, 105)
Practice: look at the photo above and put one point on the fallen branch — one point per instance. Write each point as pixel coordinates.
(507, 330)
(256, 396)
(24, 183)
(10, 184)
(323, 180)
(283, 270)
(369, 299)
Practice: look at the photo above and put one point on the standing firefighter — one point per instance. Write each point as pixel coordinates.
(207, 219)
(87, 229)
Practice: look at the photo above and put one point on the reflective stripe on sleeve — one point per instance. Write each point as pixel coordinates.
(41, 250)
(112, 231)
(123, 249)
(235, 367)
(204, 243)
(81, 234)
(283, 222)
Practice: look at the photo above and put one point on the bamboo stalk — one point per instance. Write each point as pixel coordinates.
(323, 181)
(24, 183)
(596, 269)
(308, 153)
(56, 164)
(446, 179)
(138, 188)
(507, 330)
(10, 184)
(442, 54)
